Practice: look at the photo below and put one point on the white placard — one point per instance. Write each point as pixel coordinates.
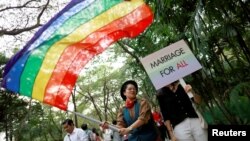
(170, 64)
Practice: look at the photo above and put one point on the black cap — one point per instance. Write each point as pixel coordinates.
(124, 85)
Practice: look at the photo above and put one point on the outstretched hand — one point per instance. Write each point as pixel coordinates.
(124, 131)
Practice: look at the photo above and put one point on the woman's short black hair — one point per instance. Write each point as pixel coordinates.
(68, 121)
(84, 126)
(124, 86)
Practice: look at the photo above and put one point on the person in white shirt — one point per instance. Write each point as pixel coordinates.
(73, 133)
(106, 132)
(116, 134)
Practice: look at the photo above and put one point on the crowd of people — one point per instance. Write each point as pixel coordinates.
(175, 118)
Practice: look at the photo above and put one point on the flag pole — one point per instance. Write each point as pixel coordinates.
(112, 127)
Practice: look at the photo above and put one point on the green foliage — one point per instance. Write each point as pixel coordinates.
(239, 100)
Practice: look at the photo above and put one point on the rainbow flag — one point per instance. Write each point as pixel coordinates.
(47, 67)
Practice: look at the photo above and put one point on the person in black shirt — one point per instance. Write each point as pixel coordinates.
(180, 118)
